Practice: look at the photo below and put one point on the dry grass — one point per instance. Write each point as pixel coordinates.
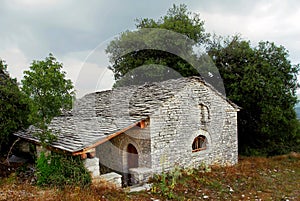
(254, 178)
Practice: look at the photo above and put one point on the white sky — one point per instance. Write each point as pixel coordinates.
(76, 32)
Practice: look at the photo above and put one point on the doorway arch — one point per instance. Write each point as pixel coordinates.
(132, 157)
(132, 162)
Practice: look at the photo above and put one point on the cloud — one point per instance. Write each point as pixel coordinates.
(31, 4)
(16, 62)
(93, 77)
(275, 21)
(40, 27)
(71, 30)
(88, 70)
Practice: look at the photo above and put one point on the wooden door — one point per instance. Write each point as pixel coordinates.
(132, 162)
(133, 157)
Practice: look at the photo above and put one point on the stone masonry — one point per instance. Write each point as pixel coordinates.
(137, 131)
(167, 140)
(178, 122)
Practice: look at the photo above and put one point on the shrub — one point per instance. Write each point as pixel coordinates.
(165, 183)
(61, 170)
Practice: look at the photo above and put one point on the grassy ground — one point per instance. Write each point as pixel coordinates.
(253, 178)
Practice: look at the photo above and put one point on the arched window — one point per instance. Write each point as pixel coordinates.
(204, 114)
(200, 143)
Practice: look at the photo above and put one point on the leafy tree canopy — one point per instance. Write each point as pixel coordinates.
(259, 79)
(263, 82)
(158, 50)
(49, 91)
(13, 107)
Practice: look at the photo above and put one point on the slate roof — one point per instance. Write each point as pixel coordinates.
(99, 115)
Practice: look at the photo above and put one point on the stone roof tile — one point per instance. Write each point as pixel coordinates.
(100, 114)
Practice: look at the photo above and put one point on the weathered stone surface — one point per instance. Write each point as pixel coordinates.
(92, 165)
(140, 175)
(113, 154)
(144, 187)
(167, 140)
(176, 112)
(179, 121)
(113, 178)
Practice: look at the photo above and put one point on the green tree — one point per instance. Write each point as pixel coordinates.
(50, 93)
(263, 82)
(158, 50)
(14, 109)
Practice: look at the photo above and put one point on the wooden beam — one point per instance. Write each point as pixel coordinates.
(83, 156)
(142, 124)
(199, 149)
(91, 154)
(86, 150)
(91, 148)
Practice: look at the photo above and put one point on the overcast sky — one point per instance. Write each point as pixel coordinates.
(77, 31)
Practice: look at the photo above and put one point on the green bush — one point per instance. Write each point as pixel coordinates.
(61, 170)
(165, 183)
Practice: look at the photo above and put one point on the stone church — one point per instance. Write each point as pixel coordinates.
(137, 131)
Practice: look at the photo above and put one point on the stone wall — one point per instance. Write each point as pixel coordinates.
(180, 120)
(92, 165)
(113, 154)
(167, 140)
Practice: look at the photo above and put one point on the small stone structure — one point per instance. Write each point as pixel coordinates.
(92, 165)
(140, 175)
(113, 178)
(137, 131)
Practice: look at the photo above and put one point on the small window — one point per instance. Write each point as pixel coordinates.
(200, 143)
(204, 114)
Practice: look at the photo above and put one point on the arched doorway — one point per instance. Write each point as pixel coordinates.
(132, 161)
(132, 157)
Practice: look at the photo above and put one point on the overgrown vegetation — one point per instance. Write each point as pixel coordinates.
(14, 109)
(165, 183)
(253, 178)
(61, 170)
